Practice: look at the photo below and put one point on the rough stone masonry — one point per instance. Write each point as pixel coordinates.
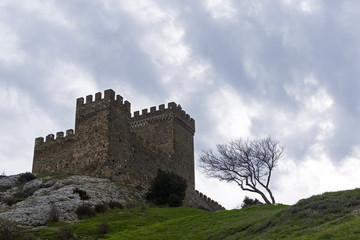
(111, 143)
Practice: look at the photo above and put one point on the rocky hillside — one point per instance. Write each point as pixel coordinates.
(29, 200)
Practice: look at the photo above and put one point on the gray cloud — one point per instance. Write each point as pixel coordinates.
(284, 68)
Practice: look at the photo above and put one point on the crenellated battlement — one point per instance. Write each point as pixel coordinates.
(155, 115)
(50, 139)
(211, 203)
(109, 142)
(94, 105)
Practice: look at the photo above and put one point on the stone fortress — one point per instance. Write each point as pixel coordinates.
(110, 142)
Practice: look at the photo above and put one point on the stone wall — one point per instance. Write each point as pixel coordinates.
(54, 155)
(172, 131)
(109, 143)
(196, 199)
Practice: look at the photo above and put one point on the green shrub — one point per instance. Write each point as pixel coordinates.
(115, 205)
(9, 201)
(4, 188)
(18, 196)
(142, 208)
(167, 188)
(100, 208)
(28, 236)
(66, 233)
(82, 193)
(26, 177)
(130, 205)
(103, 227)
(248, 202)
(174, 200)
(9, 230)
(85, 211)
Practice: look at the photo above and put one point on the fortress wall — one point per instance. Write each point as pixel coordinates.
(92, 107)
(184, 152)
(54, 154)
(196, 199)
(119, 137)
(155, 115)
(172, 131)
(91, 128)
(155, 126)
(98, 127)
(144, 162)
(109, 143)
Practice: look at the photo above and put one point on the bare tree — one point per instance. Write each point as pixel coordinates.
(248, 163)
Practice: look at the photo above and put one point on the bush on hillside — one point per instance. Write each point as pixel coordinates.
(101, 207)
(26, 177)
(66, 233)
(82, 193)
(9, 230)
(18, 196)
(167, 188)
(85, 211)
(174, 200)
(103, 227)
(115, 205)
(248, 202)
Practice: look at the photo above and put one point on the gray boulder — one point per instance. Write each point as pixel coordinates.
(35, 210)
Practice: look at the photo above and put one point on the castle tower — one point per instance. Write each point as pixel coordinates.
(172, 131)
(103, 134)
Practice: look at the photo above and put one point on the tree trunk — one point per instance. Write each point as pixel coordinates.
(264, 197)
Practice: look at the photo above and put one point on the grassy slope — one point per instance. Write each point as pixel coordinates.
(327, 216)
(218, 225)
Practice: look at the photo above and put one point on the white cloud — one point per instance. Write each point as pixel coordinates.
(309, 94)
(68, 81)
(47, 10)
(24, 122)
(319, 102)
(306, 6)
(145, 11)
(221, 9)
(231, 116)
(327, 130)
(138, 101)
(314, 175)
(163, 40)
(10, 50)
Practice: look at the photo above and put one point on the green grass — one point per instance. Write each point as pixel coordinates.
(220, 225)
(119, 220)
(327, 216)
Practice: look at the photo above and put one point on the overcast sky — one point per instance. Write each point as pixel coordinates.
(242, 69)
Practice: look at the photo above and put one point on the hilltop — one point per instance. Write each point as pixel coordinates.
(333, 215)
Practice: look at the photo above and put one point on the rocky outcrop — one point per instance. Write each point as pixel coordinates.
(30, 203)
(48, 192)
